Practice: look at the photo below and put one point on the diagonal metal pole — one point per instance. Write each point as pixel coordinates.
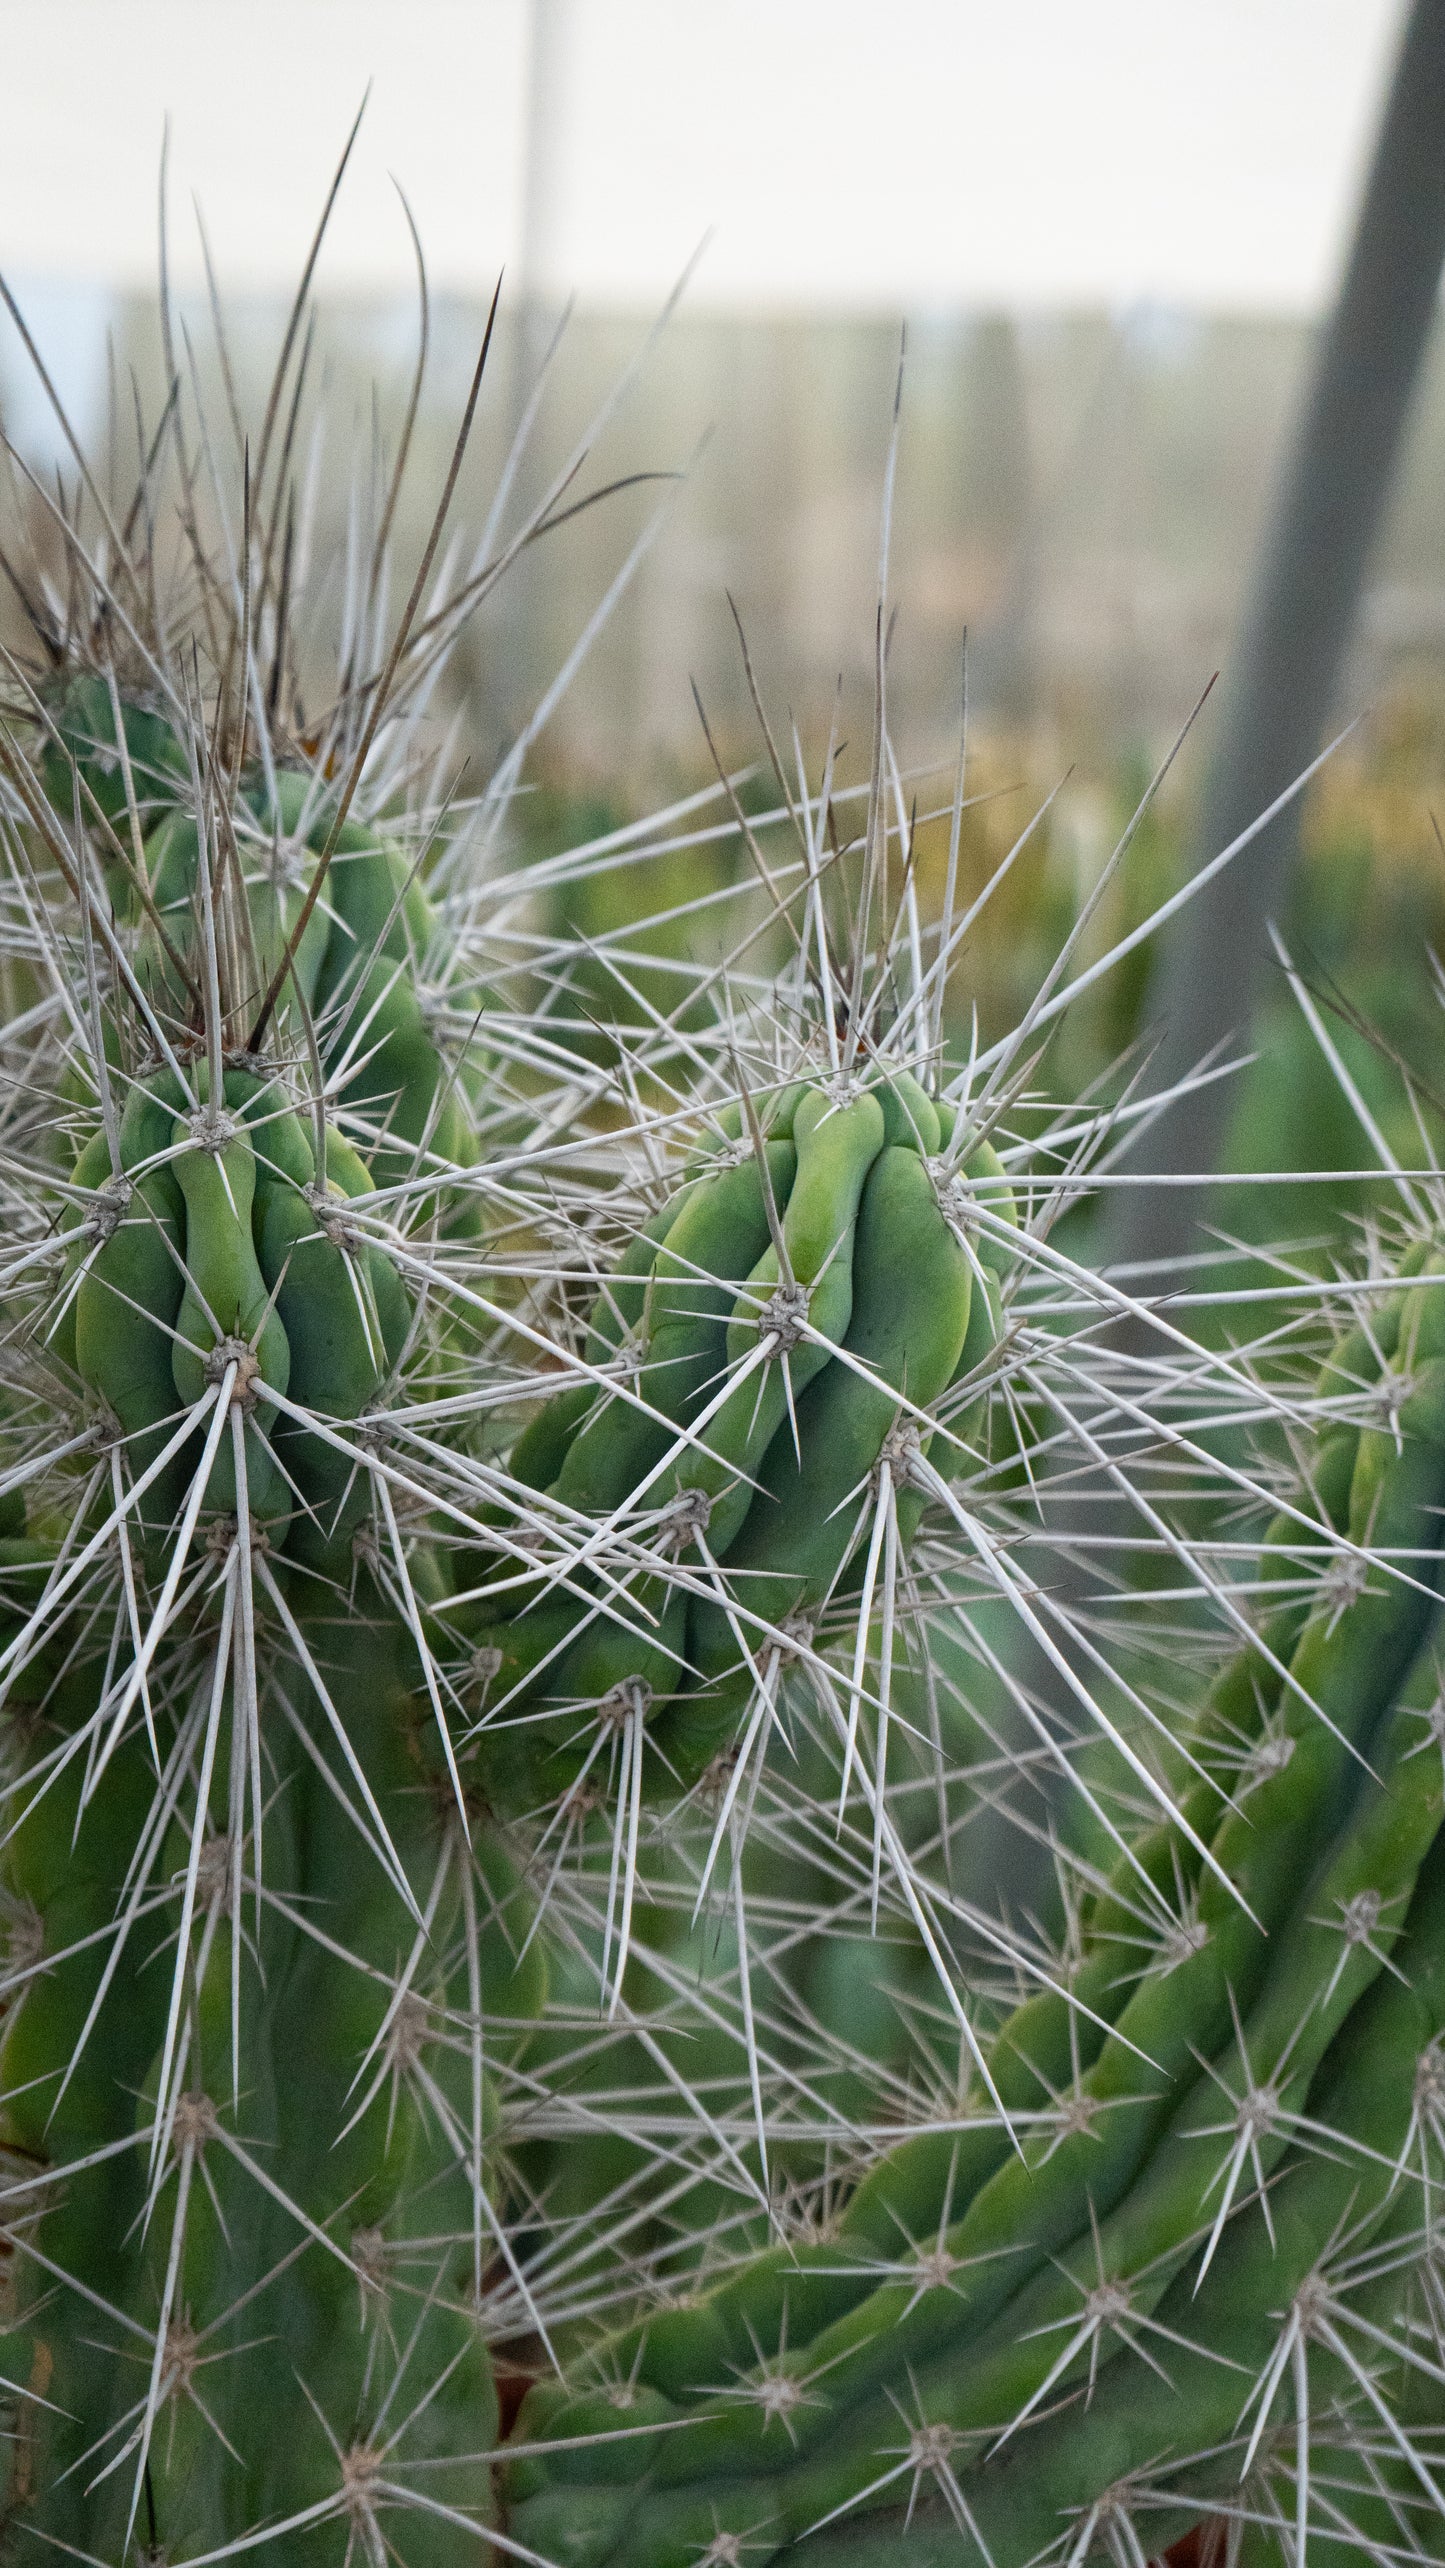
(1298, 621)
(549, 38)
(1330, 498)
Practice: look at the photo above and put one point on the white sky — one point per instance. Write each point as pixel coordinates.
(849, 152)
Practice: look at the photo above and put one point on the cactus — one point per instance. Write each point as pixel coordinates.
(1254, 2043)
(609, 1956)
(272, 1941)
(269, 1953)
(791, 1319)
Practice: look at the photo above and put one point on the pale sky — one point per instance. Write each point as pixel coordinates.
(858, 153)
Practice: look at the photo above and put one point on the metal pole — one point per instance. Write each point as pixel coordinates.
(547, 46)
(1301, 611)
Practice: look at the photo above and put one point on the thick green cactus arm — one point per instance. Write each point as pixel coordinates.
(1293, 2289)
(1142, 2415)
(1119, 2169)
(1228, 2128)
(270, 1965)
(178, 2190)
(264, 2232)
(68, 2095)
(226, 1329)
(346, 1317)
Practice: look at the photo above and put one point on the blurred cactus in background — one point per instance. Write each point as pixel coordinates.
(692, 1872)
